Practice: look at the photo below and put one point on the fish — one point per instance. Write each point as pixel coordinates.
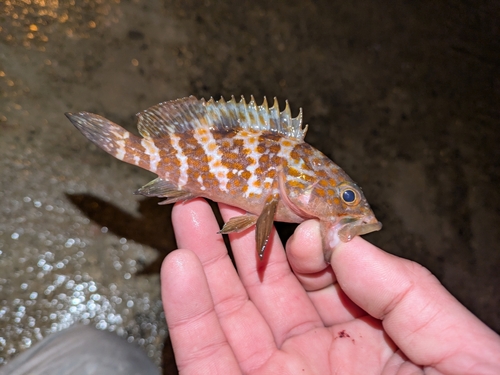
(250, 156)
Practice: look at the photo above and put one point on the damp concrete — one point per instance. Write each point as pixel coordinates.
(402, 95)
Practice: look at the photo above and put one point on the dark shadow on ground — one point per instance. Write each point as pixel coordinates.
(152, 226)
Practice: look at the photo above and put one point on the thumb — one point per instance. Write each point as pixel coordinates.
(426, 322)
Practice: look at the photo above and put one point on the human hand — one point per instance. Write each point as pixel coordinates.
(368, 313)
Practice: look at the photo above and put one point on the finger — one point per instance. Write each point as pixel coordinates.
(334, 306)
(426, 322)
(306, 257)
(398, 363)
(271, 285)
(196, 229)
(199, 343)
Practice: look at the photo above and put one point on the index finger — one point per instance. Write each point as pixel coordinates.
(426, 322)
(275, 292)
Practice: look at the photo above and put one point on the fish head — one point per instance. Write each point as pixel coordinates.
(354, 218)
(344, 230)
(346, 215)
(342, 209)
(349, 212)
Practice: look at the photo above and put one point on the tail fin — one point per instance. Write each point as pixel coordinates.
(116, 141)
(109, 136)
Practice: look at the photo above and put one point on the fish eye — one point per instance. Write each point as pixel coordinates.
(349, 196)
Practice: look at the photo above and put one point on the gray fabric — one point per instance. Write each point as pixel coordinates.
(82, 350)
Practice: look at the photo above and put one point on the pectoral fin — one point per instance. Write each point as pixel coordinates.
(264, 224)
(165, 189)
(239, 223)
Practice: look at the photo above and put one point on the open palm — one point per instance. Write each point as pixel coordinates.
(301, 316)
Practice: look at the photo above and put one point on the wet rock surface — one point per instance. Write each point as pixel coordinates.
(403, 96)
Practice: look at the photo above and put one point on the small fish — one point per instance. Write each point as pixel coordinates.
(246, 155)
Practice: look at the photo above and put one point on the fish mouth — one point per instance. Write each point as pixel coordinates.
(351, 227)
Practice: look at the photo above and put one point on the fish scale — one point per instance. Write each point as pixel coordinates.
(246, 155)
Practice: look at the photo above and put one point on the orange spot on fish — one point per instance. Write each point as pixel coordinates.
(309, 178)
(308, 151)
(320, 192)
(275, 148)
(246, 175)
(198, 152)
(295, 155)
(321, 173)
(296, 184)
(276, 160)
(238, 143)
(203, 166)
(264, 159)
(238, 166)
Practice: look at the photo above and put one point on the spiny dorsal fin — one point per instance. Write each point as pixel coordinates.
(175, 116)
(184, 114)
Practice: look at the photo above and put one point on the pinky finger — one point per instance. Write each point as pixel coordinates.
(200, 346)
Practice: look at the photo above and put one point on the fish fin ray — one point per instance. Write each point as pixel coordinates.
(238, 223)
(232, 114)
(174, 116)
(180, 198)
(264, 224)
(164, 189)
(102, 132)
(181, 115)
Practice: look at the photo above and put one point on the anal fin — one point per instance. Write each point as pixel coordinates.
(238, 223)
(180, 198)
(264, 224)
(164, 189)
